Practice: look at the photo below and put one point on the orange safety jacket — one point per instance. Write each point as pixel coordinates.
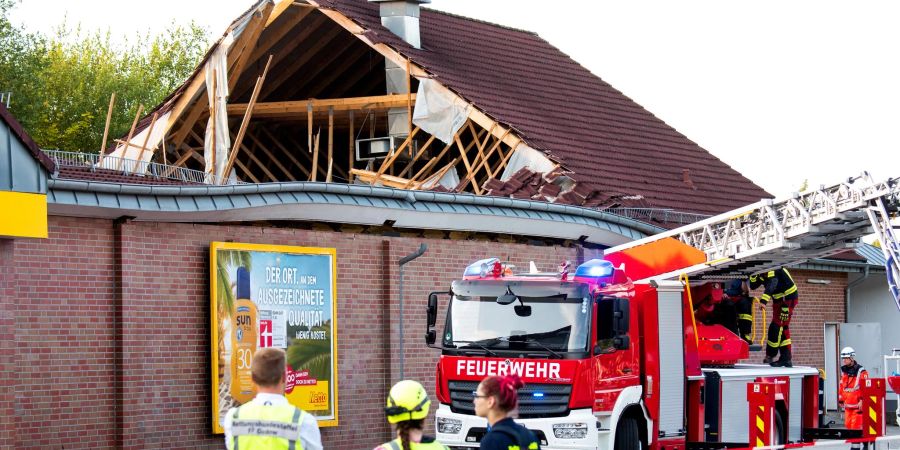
(851, 379)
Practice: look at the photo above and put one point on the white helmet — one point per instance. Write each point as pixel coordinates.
(848, 352)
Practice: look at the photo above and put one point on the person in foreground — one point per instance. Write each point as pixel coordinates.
(495, 399)
(269, 421)
(407, 407)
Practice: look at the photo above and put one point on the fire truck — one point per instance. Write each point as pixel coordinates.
(611, 352)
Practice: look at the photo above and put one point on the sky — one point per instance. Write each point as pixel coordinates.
(782, 91)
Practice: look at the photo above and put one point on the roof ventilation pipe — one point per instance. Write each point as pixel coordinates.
(401, 17)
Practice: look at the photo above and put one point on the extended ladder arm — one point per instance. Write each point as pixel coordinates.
(787, 231)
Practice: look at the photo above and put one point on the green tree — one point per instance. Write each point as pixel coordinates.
(61, 84)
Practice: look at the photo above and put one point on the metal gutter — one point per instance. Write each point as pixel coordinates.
(97, 199)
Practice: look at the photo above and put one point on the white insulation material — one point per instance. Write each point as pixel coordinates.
(135, 160)
(438, 111)
(217, 67)
(526, 156)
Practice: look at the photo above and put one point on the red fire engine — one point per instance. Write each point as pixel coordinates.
(611, 353)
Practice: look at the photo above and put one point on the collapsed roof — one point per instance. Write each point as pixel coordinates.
(309, 91)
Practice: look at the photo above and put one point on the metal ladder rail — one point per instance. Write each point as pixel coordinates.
(890, 247)
(770, 224)
(807, 225)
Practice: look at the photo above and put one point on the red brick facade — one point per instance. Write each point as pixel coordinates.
(105, 327)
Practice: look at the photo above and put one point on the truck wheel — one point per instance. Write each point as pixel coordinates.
(627, 437)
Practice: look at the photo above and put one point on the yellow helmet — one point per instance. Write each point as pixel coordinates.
(407, 400)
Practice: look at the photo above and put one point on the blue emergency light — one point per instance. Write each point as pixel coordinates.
(538, 394)
(595, 268)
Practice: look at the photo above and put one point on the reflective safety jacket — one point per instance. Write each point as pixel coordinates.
(778, 285)
(257, 426)
(851, 379)
(428, 443)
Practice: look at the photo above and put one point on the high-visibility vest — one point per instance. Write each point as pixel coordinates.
(257, 426)
(850, 393)
(397, 445)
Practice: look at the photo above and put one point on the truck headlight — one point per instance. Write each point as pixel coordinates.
(570, 430)
(448, 426)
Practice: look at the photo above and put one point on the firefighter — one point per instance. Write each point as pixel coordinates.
(269, 421)
(707, 300)
(738, 293)
(780, 288)
(407, 407)
(850, 400)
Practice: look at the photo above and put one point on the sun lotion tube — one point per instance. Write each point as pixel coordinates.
(244, 320)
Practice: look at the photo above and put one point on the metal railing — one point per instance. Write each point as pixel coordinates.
(132, 167)
(664, 215)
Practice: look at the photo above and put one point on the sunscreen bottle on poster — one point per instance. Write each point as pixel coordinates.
(244, 320)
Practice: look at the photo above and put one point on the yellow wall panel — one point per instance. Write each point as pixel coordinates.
(23, 215)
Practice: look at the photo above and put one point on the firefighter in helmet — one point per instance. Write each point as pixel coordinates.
(780, 288)
(737, 292)
(407, 407)
(852, 377)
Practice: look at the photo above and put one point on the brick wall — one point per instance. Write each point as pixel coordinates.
(112, 327)
(65, 368)
(7, 344)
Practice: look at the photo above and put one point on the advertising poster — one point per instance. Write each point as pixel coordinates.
(274, 296)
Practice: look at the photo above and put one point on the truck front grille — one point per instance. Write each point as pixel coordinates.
(552, 400)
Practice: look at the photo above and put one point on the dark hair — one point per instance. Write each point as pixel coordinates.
(403, 429)
(268, 366)
(504, 388)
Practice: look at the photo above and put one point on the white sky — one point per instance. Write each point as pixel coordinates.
(781, 91)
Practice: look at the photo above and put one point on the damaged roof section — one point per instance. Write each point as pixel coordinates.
(332, 90)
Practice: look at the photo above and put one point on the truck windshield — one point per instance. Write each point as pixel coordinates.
(543, 319)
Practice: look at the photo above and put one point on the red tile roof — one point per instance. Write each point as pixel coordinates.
(607, 140)
(112, 176)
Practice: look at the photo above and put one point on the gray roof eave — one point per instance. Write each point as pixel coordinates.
(341, 203)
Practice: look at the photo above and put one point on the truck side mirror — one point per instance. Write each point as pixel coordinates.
(431, 317)
(621, 316)
(431, 312)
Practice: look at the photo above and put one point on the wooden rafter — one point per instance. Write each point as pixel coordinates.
(389, 161)
(286, 52)
(280, 8)
(368, 176)
(465, 159)
(503, 161)
(483, 162)
(269, 174)
(258, 144)
(245, 122)
(247, 41)
(353, 77)
(327, 73)
(284, 150)
(416, 157)
(307, 155)
(424, 170)
(287, 73)
(246, 171)
(301, 108)
(273, 34)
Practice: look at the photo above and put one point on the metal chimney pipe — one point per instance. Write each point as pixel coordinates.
(401, 17)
